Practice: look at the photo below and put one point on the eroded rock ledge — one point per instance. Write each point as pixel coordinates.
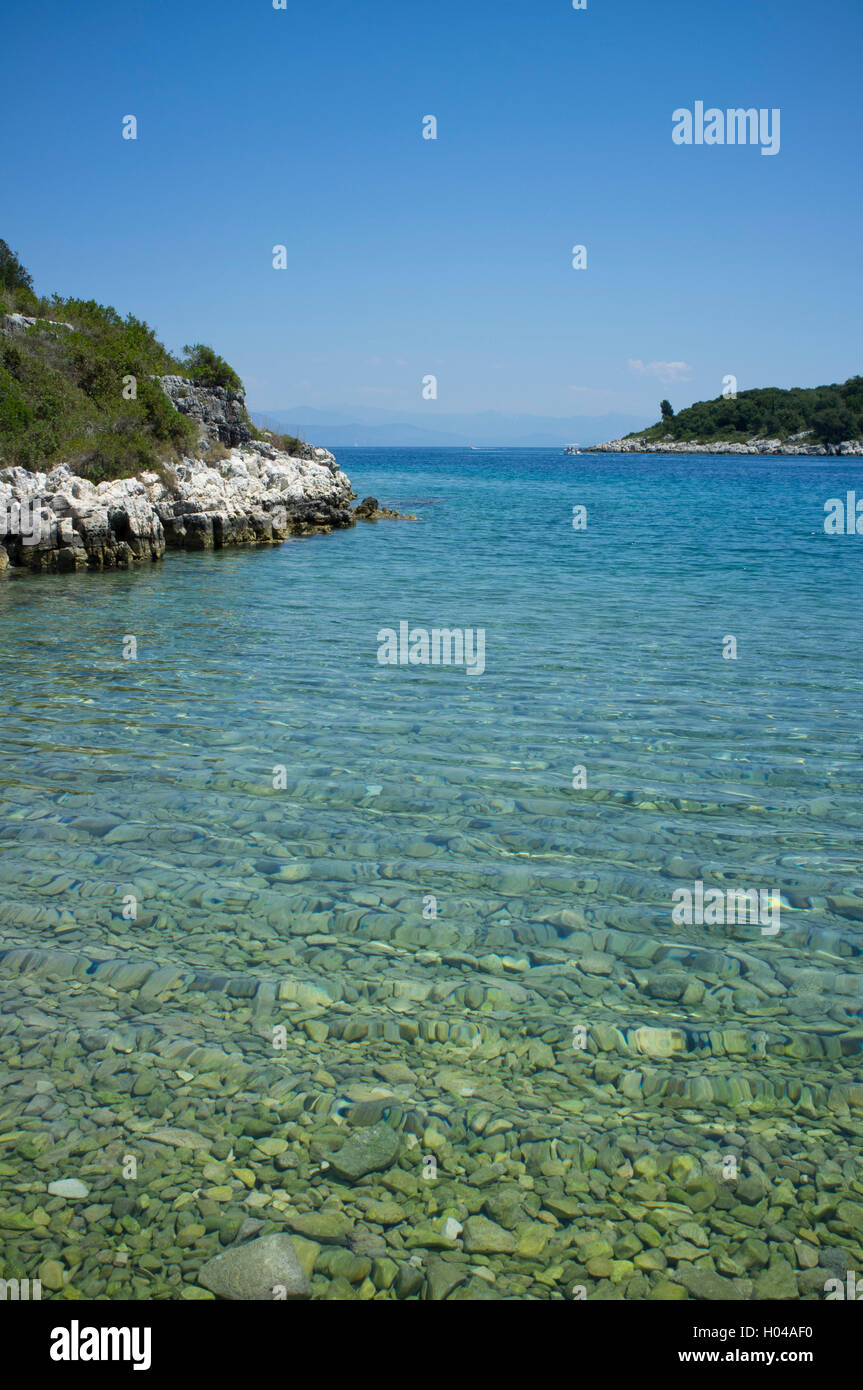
(791, 447)
(57, 521)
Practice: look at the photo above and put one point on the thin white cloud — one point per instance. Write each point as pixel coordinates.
(666, 372)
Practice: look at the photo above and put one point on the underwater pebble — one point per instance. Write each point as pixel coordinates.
(68, 1187)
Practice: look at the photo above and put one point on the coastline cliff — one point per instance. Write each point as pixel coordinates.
(252, 494)
(114, 450)
(232, 490)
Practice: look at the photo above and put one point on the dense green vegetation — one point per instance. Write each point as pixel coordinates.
(831, 413)
(207, 368)
(67, 394)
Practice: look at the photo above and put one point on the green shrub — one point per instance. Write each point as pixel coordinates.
(15, 415)
(162, 420)
(287, 443)
(62, 390)
(206, 368)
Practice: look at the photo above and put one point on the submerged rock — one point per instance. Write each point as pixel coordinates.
(68, 1187)
(266, 1269)
(442, 1277)
(368, 1151)
(777, 1282)
(706, 1284)
(326, 1227)
(484, 1237)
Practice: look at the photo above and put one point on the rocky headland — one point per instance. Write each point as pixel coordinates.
(236, 490)
(816, 421)
(791, 446)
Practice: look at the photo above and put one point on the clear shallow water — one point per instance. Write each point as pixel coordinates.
(153, 779)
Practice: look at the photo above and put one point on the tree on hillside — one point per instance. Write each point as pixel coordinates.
(833, 423)
(13, 276)
(207, 368)
(667, 412)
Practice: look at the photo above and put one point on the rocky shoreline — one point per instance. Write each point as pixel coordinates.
(789, 447)
(60, 522)
(239, 491)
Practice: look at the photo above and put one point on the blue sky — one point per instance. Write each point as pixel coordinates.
(452, 257)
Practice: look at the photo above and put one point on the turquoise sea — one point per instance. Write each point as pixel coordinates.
(269, 898)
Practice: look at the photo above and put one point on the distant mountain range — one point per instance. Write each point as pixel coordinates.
(370, 427)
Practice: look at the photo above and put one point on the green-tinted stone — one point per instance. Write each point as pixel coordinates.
(51, 1274)
(667, 1292)
(777, 1282)
(369, 1150)
(326, 1227)
(384, 1273)
(484, 1237)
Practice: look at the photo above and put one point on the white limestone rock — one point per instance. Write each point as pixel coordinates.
(59, 521)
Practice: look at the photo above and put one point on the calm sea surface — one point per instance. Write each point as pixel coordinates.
(375, 898)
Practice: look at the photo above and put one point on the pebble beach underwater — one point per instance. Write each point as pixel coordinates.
(379, 978)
